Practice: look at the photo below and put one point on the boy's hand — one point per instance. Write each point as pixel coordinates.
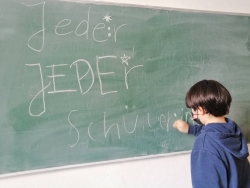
(182, 126)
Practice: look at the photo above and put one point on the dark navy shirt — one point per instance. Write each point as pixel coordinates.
(219, 156)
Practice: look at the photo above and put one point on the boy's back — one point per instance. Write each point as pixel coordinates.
(221, 152)
(219, 156)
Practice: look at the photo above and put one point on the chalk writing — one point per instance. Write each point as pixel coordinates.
(125, 59)
(64, 24)
(100, 75)
(87, 73)
(40, 92)
(38, 32)
(74, 128)
(80, 78)
(107, 17)
(107, 128)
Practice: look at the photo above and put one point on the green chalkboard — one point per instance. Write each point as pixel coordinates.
(82, 83)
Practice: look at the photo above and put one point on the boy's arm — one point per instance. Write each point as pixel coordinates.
(194, 129)
(183, 127)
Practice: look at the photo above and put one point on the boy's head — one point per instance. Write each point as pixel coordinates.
(210, 95)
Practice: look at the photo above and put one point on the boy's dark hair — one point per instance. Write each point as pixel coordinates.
(212, 96)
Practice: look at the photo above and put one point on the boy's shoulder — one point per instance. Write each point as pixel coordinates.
(206, 141)
(223, 140)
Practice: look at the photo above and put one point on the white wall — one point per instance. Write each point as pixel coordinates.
(233, 6)
(169, 172)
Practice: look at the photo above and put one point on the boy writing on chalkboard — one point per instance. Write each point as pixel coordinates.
(219, 155)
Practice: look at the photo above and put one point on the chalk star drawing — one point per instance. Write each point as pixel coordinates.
(125, 59)
(107, 17)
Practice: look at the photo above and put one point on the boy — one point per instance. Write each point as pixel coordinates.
(219, 155)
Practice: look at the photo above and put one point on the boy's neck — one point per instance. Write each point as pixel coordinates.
(213, 119)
